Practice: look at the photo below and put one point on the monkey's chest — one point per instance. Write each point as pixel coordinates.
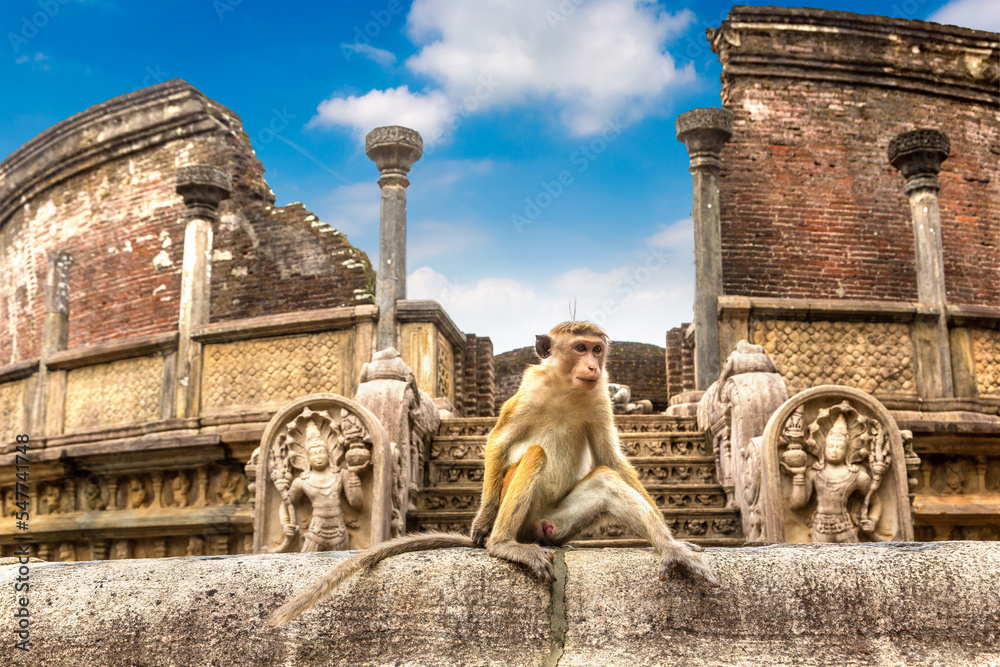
(568, 460)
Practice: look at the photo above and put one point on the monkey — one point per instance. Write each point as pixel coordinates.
(553, 467)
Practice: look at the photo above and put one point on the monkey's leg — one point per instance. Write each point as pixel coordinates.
(604, 492)
(520, 491)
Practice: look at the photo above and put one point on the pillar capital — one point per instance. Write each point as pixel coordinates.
(394, 149)
(918, 156)
(705, 131)
(203, 188)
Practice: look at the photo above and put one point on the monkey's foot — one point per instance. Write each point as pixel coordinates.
(537, 559)
(681, 554)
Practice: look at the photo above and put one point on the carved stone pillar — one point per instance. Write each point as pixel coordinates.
(203, 188)
(47, 411)
(394, 149)
(918, 156)
(704, 132)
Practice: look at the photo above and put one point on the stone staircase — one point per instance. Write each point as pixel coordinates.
(672, 456)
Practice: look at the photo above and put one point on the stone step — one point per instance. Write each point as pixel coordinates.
(706, 526)
(464, 448)
(480, 426)
(652, 471)
(678, 496)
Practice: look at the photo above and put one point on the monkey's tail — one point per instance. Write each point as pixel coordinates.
(365, 560)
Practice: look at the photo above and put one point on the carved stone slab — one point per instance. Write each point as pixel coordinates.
(825, 452)
(322, 478)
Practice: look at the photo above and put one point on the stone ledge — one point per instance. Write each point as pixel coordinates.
(887, 604)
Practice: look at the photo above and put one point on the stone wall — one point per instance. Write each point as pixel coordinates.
(639, 365)
(886, 604)
(810, 206)
(101, 185)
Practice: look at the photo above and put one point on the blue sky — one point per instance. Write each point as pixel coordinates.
(551, 173)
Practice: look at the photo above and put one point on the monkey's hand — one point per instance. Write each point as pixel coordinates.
(537, 559)
(482, 526)
(683, 554)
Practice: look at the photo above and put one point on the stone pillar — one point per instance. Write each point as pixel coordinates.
(918, 156)
(51, 385)
(203, 188)
(394, 149)
(704, 132)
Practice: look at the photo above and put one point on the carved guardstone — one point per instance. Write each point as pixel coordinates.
(321, 478)
(835, 470)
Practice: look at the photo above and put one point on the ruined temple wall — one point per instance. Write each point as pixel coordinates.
(639, 365)
(810, 206)
(101, 185)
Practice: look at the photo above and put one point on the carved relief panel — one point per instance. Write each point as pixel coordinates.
(11, 410)
(835, 470)
(871, 356)
(322, 479)
(986, 352)
(120, 392)
(272, 371)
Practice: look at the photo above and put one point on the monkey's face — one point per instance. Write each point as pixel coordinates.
(587, 356)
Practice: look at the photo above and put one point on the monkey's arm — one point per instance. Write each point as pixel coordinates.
(497, 448)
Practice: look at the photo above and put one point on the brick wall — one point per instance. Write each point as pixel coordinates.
(680, 361)
(112, 204)
(810, 206)
(638, 365)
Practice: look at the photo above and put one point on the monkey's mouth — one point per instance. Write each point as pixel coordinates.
(587, 382)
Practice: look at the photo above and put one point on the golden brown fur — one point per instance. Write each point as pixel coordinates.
(554, 466)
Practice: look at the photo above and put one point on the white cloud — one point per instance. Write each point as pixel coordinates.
(434, 238)
(428, 113)
(639, 301)
(352, 209)
(594, 61)
(588, 62)
(678, 236)
(380, 56)
(977, 14)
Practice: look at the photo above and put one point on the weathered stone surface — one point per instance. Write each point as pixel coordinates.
(894, 604)
(890, 604)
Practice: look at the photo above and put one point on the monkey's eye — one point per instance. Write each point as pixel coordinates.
(580, 347)
(598, 349)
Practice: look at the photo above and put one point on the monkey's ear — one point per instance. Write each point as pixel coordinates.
(543, 346)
